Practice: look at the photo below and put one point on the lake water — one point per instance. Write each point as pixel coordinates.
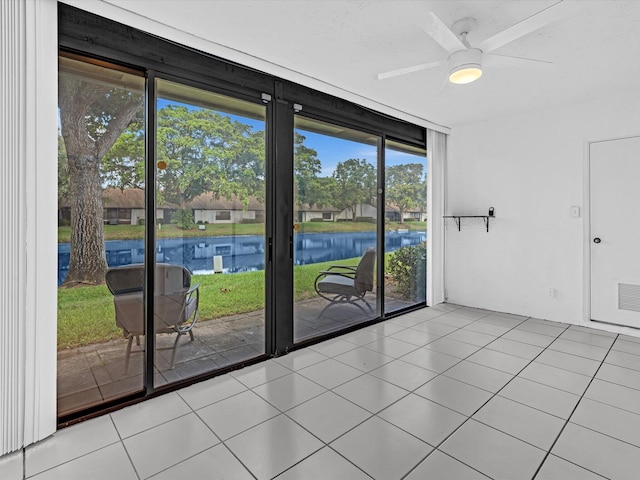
(243, 253)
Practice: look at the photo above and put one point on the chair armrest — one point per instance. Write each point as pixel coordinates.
(346, 267)
(333, 272)
(193, 289)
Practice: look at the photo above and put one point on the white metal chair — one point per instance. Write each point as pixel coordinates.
(176, 302)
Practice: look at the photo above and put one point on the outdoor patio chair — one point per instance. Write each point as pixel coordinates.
(347, 284)
(176, 302)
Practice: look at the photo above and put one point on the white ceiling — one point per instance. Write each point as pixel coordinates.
(595, 48)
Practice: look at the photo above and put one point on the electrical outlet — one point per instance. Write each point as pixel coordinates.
(552, 293)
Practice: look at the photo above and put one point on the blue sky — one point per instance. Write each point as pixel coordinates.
(331, 150)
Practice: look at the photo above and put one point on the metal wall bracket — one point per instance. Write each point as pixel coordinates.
(457, 219)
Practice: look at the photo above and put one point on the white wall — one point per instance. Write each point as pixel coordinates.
(531, 169)
(308, 216)
(362, 210)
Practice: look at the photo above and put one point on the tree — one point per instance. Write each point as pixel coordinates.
(123, 166)
(63, 175)
(311, 189)
(405, 187)
(93, 114)
(355, 182)
(204, 151)
(306, 167)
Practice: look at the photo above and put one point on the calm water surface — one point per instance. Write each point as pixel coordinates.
(243, 253)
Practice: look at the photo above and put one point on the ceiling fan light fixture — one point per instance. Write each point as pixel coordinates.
(465, 66)
(465, 75)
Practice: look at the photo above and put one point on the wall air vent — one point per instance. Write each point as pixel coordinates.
(629, 297)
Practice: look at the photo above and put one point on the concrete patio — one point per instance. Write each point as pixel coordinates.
(93, 374)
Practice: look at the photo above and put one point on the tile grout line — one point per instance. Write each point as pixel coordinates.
(372, 415)
(222, 442)
(362, 374)
(483, 404)
(124, 447)
(284, 413)
(573, 411)
(436, 447)
(375, 414)
(72, 459)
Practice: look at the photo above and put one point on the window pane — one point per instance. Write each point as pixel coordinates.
(335, 234)
(405, 226)
(210, 196)
(100, 153)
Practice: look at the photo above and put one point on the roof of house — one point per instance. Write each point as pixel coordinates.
(134, 198)
(315, 208)
(207, 201)
(113, 197)
(127, 198)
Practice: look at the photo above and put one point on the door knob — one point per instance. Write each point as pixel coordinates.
(597, 240)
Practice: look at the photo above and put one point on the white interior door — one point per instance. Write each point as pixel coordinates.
(615, 231)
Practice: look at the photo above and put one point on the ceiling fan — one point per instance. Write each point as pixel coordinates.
(466, 62)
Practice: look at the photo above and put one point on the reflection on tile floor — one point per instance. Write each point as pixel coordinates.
(480, 395)
(94, 374)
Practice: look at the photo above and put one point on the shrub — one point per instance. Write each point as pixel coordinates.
(366, 219)
(317, 220)
(407, 265)
(183, 219)
(64, 222)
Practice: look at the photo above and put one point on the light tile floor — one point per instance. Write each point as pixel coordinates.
(447, 392)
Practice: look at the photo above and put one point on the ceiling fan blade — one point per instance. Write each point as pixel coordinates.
(526, 26)
(445, 88)
(442, 34)
(406, 70)
(494, 60)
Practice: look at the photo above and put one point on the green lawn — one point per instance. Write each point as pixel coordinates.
(132, 232)
(86, 314)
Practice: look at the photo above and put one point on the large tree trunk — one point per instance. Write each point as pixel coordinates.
(92, 117)
(88, 263)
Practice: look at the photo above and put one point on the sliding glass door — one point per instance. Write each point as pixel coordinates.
(209, 217)
(208, 224)
(335, 229)
(101, 197)
(209, 302)
(405, 252)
